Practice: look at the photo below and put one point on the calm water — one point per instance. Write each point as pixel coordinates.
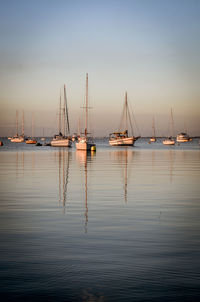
(121, 224)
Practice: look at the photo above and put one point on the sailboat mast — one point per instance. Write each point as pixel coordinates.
(172, 123)
(32, 132)
(126, 109)
(63, 120)
(17, 121)
(153, 127)
(59, 120)
(86, 107)
(23, 122)
(66, 111)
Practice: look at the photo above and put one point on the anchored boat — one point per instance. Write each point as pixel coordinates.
(121, 138)
(86, 142)
(170, 140)
(153, 138)
(18, 138)
(61, 139)
(183, 137)
(32, 140)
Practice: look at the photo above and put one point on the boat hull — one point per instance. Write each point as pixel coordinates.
(84, 146)
(61, 143)
(31, 141)
(128, 141)
(17, 140)
(168, 142)
(182, 140)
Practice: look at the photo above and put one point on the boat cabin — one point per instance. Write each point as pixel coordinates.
(115, 135)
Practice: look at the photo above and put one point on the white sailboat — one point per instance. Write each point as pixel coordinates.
(170, 140)
(61, 139)
(18, 138)
(32, 140)
(153, 138)
(121, 138)
(85, 142)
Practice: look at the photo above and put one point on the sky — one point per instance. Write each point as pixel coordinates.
(149, 48)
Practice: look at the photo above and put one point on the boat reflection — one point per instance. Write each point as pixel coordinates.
(171, 164)
(64, 157)
(83, 158)
(169, 160)
(125, 158)
(19, 164)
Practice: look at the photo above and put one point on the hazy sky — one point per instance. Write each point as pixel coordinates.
(149, 48)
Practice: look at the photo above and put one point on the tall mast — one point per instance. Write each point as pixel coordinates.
(59, 120)
(23, 122)
(32, 125)
(66, 111)
(153, 127)
(126, 110)
(17, 121)
(86, 107)
(172, 123)
(63, 120)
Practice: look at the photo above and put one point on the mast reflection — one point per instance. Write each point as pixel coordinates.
(84, 158)
(19, 164)
(124, 157)
(63, 164)
(171, 161)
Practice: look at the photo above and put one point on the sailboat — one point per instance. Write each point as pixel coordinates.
(153, 138)
(61, 140)
(43, 138)
(170, 140)
(121, 138)
(183, 137)
(18, 138)
(31, 140)
(85, 142)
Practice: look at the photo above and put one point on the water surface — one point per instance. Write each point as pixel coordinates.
(115, 225)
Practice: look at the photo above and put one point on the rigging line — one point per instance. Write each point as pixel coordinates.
(134, 119)
(172, 123)
(153, 127)
(122, 118)
(130, 120)
(65, 96)
(59, 119)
